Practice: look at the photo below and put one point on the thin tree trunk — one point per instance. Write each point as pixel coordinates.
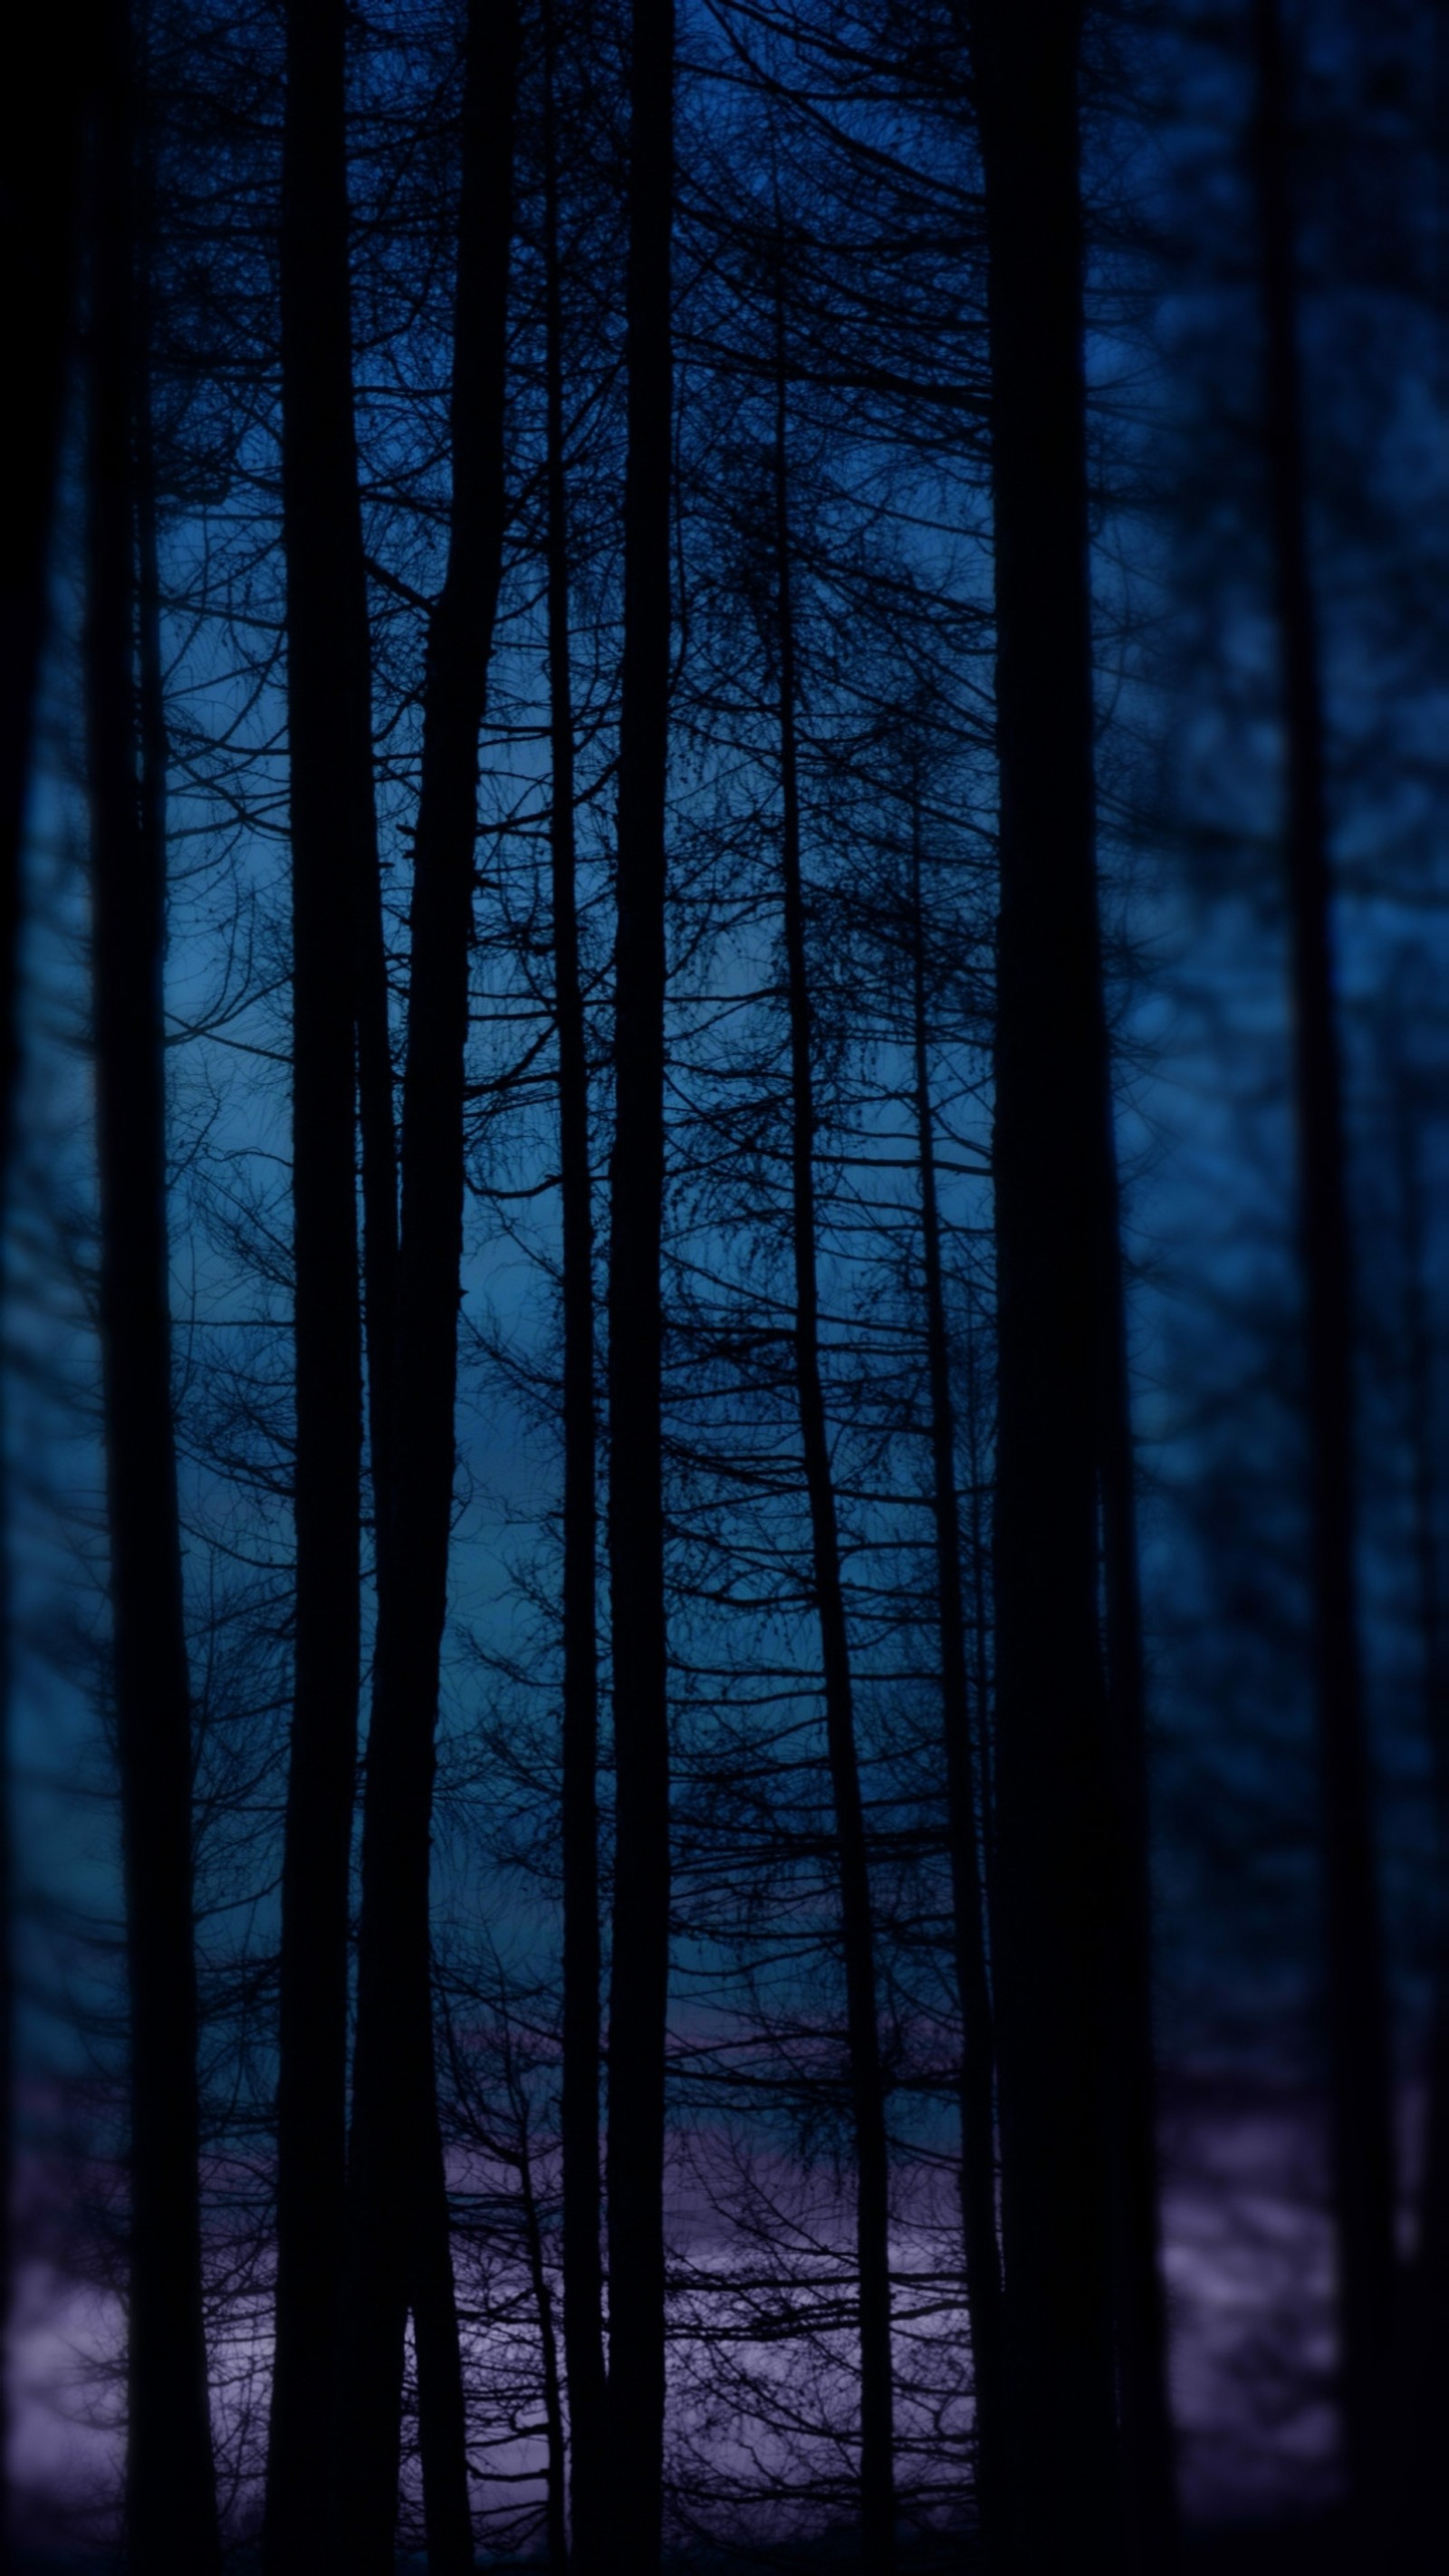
(639, 1981)
(9, 1079)
(1361, 2125)
(171, 2517)
(397, 2250)
(980, 1606)
(1420, 2515)
(1416, 2517)
(1149, 2483)
(555, 2519)
(968, 1918)
(867, 2082)
(437, 2347)
(520, 2158)
(582, 2178)
(333, 834)
(1053, 1905)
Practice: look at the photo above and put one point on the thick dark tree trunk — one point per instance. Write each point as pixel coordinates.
(867, 2082)
(333, 832)
(582, 2178)
(40, 190)
(639, 1984)
(1355, 1998)
(171, 2518)
(397, 2247)
(968, 1923)
(1053, 1904)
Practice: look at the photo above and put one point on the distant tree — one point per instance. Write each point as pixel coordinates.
(1340, 516)
(1363, 2158)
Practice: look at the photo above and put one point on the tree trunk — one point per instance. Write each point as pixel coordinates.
(867, 2082)
(1420, 2516)
(582, 2179)
(442, 2414)
(397, 2252)
(555, 2518)
(333, 832)
(982, 1504)
(1053, 1905)
(170, 2505)
(1361, 2126)
(1149, 2482)
(40, 191)
(639, 1984)
(968, 1918)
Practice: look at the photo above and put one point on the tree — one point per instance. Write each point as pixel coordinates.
(40, 224)
(1363, 2159)
(1054, 1892)
(639, 1974)
(877, 2474)
(881, 1870)
(583, 2327)
(1421, 2367)
(333, 841)
(968, 1912)
(40, 211)
(171, 2516)
(397, 2253)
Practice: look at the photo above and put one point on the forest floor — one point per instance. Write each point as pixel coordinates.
(1308, 2548)
(1316, 2547)
(1301, 2546)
